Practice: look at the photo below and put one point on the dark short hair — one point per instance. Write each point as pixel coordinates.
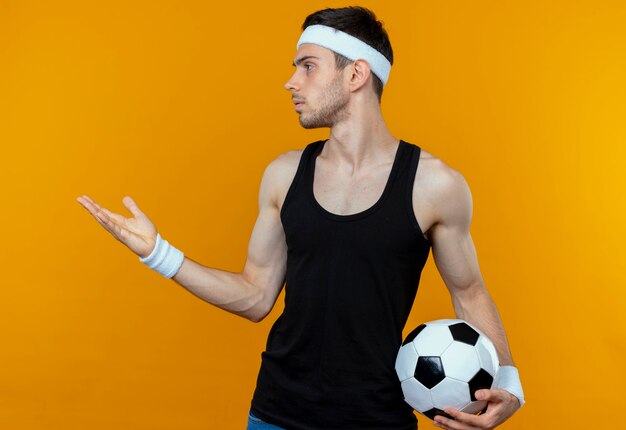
(361, 23)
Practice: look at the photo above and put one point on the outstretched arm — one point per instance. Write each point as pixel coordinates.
(253, 292)
(250, 294)
(455, 257)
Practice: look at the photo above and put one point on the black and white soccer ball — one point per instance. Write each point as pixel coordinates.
(442, 364)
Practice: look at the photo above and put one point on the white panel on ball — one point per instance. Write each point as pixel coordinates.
(488, 345)
(433, 340)
(417, 395)
(485, 357)
(460, 361)
(406, 361)
(450, 393)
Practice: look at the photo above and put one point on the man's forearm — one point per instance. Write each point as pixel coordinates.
(475, 306)
(226, 290)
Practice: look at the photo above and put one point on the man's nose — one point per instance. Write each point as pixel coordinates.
(291, 84)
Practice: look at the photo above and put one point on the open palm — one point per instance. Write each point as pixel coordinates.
(137, 233)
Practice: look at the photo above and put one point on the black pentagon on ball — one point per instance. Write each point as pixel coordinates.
(429, 371)
(464, 333)
(413, 334)
(434, 411)
(481, 380)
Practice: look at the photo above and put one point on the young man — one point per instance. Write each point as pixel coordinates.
(346, 225)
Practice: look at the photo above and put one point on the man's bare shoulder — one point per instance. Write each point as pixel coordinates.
(286, 161)
(443, 189)
(279, 174)
(283, 168)
(435, 175)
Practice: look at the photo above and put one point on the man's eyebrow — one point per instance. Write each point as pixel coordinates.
(301, 59)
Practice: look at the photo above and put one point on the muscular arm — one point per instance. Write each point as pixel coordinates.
(455, 257)
(251, 293)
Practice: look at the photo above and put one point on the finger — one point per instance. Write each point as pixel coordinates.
(113, 223)
(117, 219)
(121, 220)
(488, 395)
(442, 424)
(132, 207)
(452, 424)
(89, 204)
(465, 418)
(90, 200)
(92, 208)
(86, 203)
(106, 221)
(103, 217)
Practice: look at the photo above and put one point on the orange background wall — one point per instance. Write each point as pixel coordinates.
(180, 105)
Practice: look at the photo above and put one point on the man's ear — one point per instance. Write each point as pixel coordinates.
(360, 72)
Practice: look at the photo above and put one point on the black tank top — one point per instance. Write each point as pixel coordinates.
(350, 284)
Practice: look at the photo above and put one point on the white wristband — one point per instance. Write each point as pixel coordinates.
(507, 378)
(164, 258)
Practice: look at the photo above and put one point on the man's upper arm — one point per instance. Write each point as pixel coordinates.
(456, 260)
(266, 262)
(453, 249)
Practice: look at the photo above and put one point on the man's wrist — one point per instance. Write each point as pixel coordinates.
(164, 258)
(507, 378)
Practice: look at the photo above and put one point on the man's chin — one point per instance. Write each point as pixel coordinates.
(311, 125)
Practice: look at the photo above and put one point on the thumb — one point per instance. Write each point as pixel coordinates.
(132, 207)
(485, 394)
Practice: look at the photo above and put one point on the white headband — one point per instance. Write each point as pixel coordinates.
(348, 46)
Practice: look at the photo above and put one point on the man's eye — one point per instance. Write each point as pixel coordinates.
(308, 67)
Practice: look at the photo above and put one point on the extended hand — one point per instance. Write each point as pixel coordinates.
(138, 233)
(500, 406)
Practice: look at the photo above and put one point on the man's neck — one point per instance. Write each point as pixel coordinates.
(360, 141)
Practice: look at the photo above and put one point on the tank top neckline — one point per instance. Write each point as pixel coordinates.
(365, 212)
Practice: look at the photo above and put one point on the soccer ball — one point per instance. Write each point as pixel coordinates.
(442, 364)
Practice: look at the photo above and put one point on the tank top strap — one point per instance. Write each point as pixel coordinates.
(413, 159)
(411, 171)
(401, 195)
(299, 179)
(400, 175)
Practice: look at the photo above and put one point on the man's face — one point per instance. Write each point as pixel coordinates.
(317, 87)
